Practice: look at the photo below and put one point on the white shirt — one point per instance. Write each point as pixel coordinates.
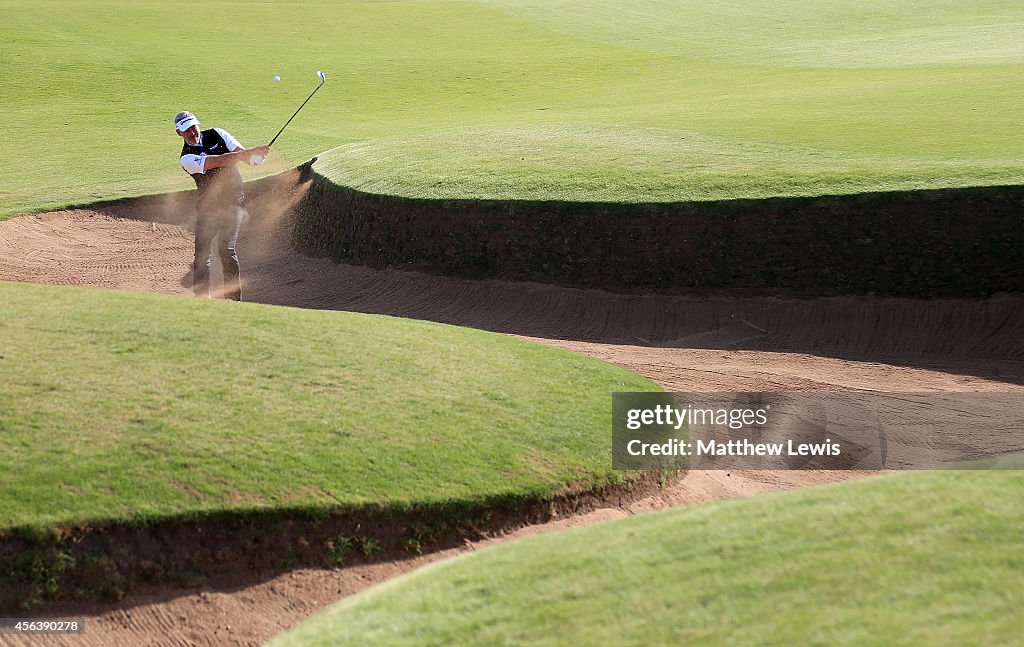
(197, 163)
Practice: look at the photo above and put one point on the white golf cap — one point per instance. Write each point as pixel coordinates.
(185, 120)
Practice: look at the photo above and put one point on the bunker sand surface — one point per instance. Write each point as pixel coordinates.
(684, 343)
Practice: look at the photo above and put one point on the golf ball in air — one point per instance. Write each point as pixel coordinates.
(277, 79)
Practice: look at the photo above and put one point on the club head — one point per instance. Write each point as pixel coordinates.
(323, 77)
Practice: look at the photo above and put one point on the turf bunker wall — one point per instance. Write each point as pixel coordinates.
(934, 243)
(105, 562)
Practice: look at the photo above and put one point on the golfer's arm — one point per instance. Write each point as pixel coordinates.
(227, 159)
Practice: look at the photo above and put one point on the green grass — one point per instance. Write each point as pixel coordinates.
(570, 99)
(130, 407)
(917, 558)
(618, 164)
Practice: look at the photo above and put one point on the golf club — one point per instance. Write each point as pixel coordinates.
(258, 159)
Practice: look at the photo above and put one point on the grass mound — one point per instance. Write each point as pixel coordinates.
(128, 408)
(916, 558)
(619, 164)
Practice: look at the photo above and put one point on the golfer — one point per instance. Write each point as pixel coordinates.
(209, 156)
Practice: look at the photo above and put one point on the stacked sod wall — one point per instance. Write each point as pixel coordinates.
(106, 561)
(936, 243)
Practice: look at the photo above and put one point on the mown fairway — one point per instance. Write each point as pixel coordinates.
(519, 99)
(130, 407)
(919, 558)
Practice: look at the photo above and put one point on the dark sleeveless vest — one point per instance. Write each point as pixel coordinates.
(219, 187)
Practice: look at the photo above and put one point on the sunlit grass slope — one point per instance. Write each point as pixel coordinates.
(917, 558)
(124, 407)
(504, 98)
(617, 164)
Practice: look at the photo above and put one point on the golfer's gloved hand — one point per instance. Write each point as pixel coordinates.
(257, 154)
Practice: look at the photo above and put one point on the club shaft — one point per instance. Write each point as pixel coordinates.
(295, 113)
